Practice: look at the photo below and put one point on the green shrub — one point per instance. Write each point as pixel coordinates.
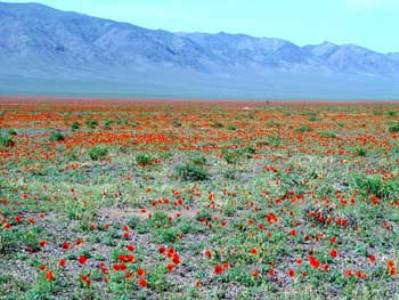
(144, 159)
(391, 113)
(359, 151)
(159, 220)
(91, 124)
(133, 222)
(394, 128)
(108, 124)
(303, 129)
(273, 140)
(199, 160)
(374, 184)
(328, 134)
(75, 126)
(232, 127)
(56, 136)
(231, 156)
(98, 152)
(314, 119)
(12, 132)
(192, 172)
(176, 123)
(6, 141)
(217, 125)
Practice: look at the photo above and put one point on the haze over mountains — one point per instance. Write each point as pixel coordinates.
(48, 51)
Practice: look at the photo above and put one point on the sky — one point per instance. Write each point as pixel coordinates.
(370, 23)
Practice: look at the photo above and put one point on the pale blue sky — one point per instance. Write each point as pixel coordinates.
(370, 23)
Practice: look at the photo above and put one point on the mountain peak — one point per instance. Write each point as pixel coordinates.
(38, 41)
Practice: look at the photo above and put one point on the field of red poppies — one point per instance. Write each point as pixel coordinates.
(198, 200)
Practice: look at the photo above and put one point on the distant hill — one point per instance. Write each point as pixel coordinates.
(48, 51)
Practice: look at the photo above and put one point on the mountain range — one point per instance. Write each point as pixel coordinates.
(44, 51)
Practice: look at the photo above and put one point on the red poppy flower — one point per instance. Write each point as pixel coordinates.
(122, 258)
(83, 259)
(162, 249)
(298, 261)
(314, 262)
(271, 218)
(272, 272)
(170, 267)
(218, 269)
(130, 259)
(62, 263)
(50, 276)
(372, 259)
(42, 244)
(361, 275)
(333, 253)
(140, 272)
(171, 251)
(291, 273)
(65, 245)
(176, 258)
(254, 251)
(116, 267)
(42, 267)
(208, 253)
(142, 282)
(391, 266)
(255, 274)
(131, 248)
(86, 279)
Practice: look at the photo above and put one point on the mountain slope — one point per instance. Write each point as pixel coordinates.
(47, 50)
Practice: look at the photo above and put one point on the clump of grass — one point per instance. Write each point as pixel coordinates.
(75, 126)
(391, 113)
(159, 220)
(98, 153)
(374, 184)
(144, 159)
(176, 123)
(56, 136)
(303, 129)
(92, 124)
(217, 125)
(198, 160)
(192, 172)
(6, 141)
(359, 151)
(272, 140)
(314, 119)
(328, 134)
(394, 128)
(272, 123)
(231, 156)
(12, 132)
(108, 124)
(231, 127)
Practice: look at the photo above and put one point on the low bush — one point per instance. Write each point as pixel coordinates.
(98, 153)
(192, 172)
